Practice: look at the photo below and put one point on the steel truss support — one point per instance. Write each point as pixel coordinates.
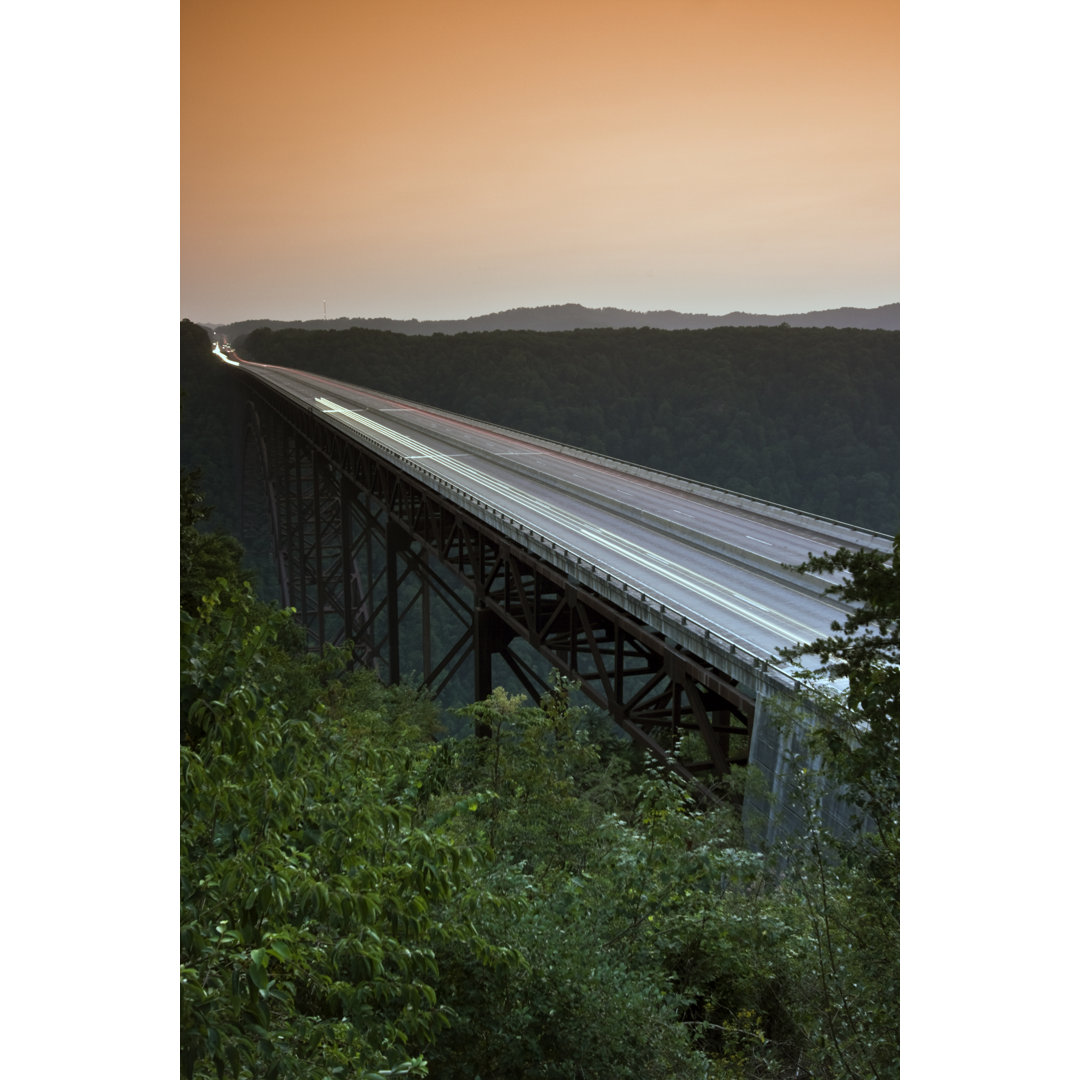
(371, 554)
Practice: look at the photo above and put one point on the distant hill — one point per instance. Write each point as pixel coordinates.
(556, 317)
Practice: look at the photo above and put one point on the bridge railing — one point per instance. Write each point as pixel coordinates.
(709, 492)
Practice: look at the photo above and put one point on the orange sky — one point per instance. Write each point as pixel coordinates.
(417, 158)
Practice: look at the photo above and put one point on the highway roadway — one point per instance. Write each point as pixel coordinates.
(709, 555)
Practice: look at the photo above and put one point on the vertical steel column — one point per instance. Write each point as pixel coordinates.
(261, 462)
(317, 563)
(491, 637)
(395, 541)
(296, 553)
(425, 612)
(369, 583)
(482, 653)
(347, 495)
(283, 441)
(304, 516)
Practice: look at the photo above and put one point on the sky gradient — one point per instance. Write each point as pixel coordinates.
(423, 159)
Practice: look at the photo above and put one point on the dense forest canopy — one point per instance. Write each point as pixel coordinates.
(360, 898)
(804, 417)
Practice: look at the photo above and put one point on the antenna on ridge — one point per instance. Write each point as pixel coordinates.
(324, 309)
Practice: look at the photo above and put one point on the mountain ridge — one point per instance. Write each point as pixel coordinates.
(561, 317)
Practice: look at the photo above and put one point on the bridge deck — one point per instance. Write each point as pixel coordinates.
(709, 556)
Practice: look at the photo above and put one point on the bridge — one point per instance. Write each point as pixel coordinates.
(454, 549)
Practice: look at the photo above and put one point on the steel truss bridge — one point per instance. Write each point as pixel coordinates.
(446, 549)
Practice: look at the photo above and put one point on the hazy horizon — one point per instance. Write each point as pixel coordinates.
(529, 307)
(419, 160)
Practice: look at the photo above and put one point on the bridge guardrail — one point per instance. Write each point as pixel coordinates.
(709, 492)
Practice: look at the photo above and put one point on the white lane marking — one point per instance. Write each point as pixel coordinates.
(735, 602)
(758, 539)
(682, 576)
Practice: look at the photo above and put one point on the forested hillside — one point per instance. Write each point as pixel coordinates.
(554, 317)
(805, 417)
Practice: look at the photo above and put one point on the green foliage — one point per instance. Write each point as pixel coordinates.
(534, 765)
(647, 934)
(307, 876)
(204, 557)
(360, 899)
(575, 1004)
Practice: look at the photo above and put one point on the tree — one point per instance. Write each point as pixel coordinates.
(586, 993)
(205, 557)
(307, 877)
(861, 738)
(850, 884)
